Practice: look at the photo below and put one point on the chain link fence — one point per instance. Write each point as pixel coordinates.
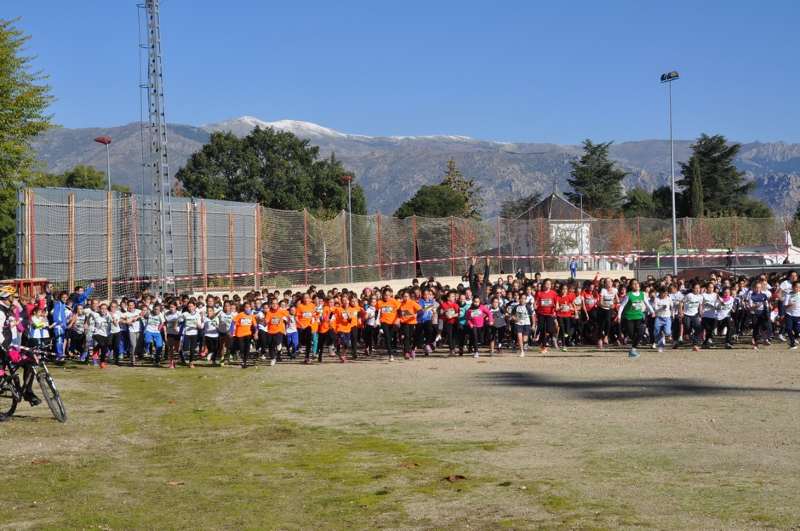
(73, 237)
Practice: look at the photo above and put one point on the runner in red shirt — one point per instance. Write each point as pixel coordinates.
(449, 314)
(545, 302)
(587, 318)
(565, 312)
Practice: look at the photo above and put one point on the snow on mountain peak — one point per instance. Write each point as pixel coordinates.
(244, 124)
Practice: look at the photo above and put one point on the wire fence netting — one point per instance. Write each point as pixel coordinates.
(73, 237)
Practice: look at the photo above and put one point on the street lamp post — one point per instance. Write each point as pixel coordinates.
(349, 180)
(668, 78)
(106, 141)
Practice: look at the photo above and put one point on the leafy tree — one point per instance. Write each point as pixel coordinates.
(595, 178)
(515, 208)
(24, 97)
(273, 168)
(466, 187)
(724, 188)
(662, 202)
(436, 201)
(639, 202)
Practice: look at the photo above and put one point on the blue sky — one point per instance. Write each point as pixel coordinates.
(513, 70)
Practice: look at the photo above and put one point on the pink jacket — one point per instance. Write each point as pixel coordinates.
(476, 318)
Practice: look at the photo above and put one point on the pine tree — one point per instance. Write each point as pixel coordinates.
(696, 191)
(467, 187)
(724, 188)
(595, 178)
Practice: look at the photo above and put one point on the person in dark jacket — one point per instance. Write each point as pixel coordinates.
(477, 283)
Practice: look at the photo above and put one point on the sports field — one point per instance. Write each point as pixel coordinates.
(583, 439)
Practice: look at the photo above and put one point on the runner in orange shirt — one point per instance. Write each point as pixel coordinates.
(358, 324)
(327, 327)
(243, 325)
(276, 318)
(408, 322)
(345, 321)
(387, 309)
(306, 312)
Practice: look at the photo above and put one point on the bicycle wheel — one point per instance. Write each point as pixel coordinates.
(10, 396)
(51, 395)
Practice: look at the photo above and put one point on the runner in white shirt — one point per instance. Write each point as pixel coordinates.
(662, 329)
(709, 313)
(723, 316)
(690, 314)
(791, 305)
(191, 322)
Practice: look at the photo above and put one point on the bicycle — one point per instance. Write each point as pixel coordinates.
(12, 390)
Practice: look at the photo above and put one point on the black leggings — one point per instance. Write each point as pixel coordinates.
(275, 344)
(565, 328)
(242, 346)
(408, 337)
(693, 325)
(547, 329)
(306, 337)
(190, 346)
(475, 338)
(761, 322)
(425, 334)
(709, 326)
(633, 329)
(370, 334)
(388, 337)
(727, 325)
(449, 332)
(604, 318)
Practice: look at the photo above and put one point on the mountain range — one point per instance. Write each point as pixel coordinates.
(392, 168)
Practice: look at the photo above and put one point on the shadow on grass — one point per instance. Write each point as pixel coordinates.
(624, 389)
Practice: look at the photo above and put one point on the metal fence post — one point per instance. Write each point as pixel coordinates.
(71, 242)
(190, 243)
(413, 246)
(109, 243)
(203, 246)
(379, 245)
(452, 246)
(305, 246)
(256, 246)
(230, 250)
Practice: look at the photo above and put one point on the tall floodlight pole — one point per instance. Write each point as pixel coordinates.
(106, 141)
(349, 180)
(668, 78)
(157, 162)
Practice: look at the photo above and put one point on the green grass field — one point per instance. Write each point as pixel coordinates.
(578, 440)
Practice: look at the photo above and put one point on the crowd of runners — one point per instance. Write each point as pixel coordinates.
(483, 315)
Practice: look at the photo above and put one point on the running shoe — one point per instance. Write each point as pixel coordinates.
(476, 355)
(632, 353)
(521, 353)
(660, 349)
(272, 362)
(391, 358)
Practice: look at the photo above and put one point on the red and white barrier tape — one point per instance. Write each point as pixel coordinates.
(618, 257)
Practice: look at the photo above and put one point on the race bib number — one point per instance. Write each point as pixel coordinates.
(275, 320)
(307, 315)
(638, 306)
(450, 314)
(387, 309)
(546, 302)
(476, 313)
(246, 322)
(345, 316)
(565, 308)
(589, 301)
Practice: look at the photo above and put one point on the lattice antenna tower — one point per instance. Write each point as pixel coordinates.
(157, 163)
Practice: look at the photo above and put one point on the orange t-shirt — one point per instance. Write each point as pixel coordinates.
(275, 321)
(243, 324)
(355, 309)
(388, 310)
(408, 311)
(345, 320)
(305, 314)
(325, 321)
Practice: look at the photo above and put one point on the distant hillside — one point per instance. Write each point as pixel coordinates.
(390, 169)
